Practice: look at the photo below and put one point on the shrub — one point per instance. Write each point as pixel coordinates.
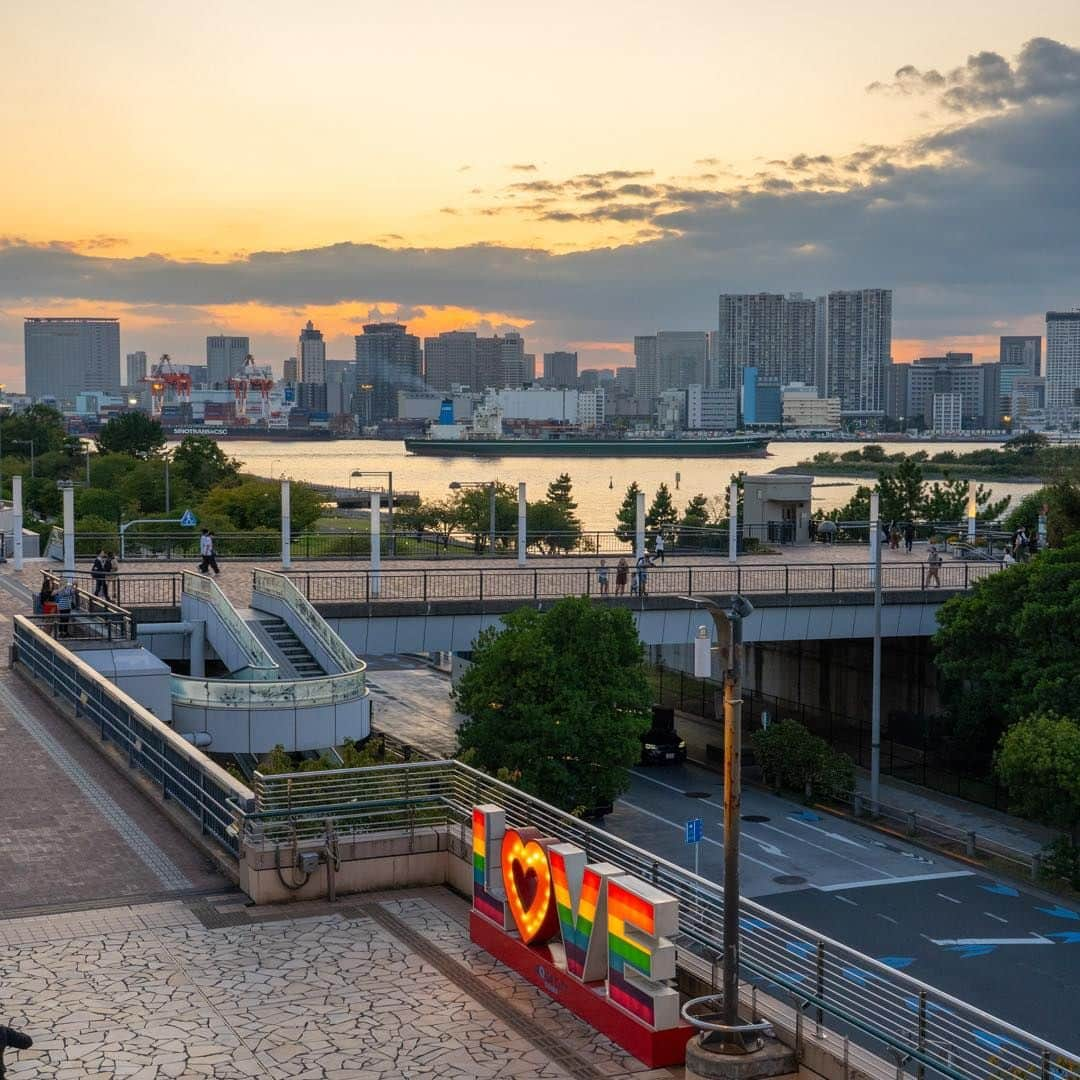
(791, 757)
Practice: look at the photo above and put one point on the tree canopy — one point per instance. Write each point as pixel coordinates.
(256, 504)
(1008, 647)
(662, 510)
(132, 433)
(200, 463)
(626, 516)
(558, 699)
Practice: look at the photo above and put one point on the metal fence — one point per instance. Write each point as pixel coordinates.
(205, 791)
(545, 583)
(885, 1010)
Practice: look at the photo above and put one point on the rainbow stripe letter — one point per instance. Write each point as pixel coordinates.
(639, 918)
(581, 900)
(488, 827)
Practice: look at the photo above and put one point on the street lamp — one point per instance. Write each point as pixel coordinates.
(389, 499)
(457, 485)
(167, 458)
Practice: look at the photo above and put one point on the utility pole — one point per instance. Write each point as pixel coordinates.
(875, 700)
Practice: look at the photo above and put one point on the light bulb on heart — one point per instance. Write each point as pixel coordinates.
(527, 880)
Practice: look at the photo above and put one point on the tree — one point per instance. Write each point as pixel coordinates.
(1062, 501)
(947, 500)
(626, 518)
(874, 452)
(1007, 648)
(1027, 444)
(560, 700)
(662, 511)
(41, 423)
(901, 492)
(256, 504)
(550, 527)
(200, 463)
(791, 757)
(132, 433)
(559, 494)
(473, 512)
(694, 522)
(857, 507)
(1038, 760)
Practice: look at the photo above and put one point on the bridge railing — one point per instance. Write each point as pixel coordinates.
(546, 583)
(880, 1007)
(179, 771)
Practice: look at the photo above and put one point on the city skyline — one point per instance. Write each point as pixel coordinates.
(904, 166)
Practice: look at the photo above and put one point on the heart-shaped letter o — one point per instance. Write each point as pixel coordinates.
(527, 880)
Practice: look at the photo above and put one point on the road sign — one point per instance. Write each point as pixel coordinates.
(189, 520)
(695, 829)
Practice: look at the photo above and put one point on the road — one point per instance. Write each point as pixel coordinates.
(1005, 949)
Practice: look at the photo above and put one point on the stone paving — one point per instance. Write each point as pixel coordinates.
(372, 990)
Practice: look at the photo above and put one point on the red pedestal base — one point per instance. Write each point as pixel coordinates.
(588, 1001)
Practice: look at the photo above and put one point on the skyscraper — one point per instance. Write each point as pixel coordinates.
(224, 358)
(681, 358)
(645, 381)
(751, 333)
(450, 359)
(290, 370)
(63, 357)
(956, 375)
(136, 369)
(1024, 351)
(311, 355)
(513, 359)
(860, 344)
(1063, 368)
(388, 359)
(800, 341)
(560, 369)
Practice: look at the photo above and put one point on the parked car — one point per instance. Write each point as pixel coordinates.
(661, 744)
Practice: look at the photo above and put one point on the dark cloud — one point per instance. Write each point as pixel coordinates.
(528, 167)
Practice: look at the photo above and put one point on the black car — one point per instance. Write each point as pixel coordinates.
(661, 744)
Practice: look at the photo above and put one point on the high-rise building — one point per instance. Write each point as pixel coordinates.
(388, 359)
(1024, 351)
(66, 356)
(1063, 368)
(711, 408)
(897, 377)
(645, 373)
(954, 373)
(136, 369)
(859, 349)
(450, 360)
(512, 349)
(291, 370)
(560, 369)
(681, 358)
(311, 354)
(947, 413)
(800, 341)
(529, 369)
(225, 356)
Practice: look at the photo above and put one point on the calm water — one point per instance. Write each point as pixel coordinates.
(598, 500)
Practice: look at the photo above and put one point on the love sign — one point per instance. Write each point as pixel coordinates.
(608, 925)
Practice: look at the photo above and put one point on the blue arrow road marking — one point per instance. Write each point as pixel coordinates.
(1001, 890)
(898, 962)
(1069, 937)
(968, 951)
(1060, 912)
(805, 815)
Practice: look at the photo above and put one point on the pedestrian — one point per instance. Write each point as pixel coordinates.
(622, 572)
(1020, 544)
(885, 531)
(642, 575)
(46, 604)
(99, 571)
(602, 577)
(658, 546)
(909, 536)
(894, 536)
(933, 562)
(812, 530)
(65, 603)
(209, 557)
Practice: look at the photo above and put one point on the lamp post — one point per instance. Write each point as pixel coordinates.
(875, 690)
(389, 500)
(457, 485)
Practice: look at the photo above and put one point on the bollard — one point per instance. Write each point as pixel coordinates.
(971, 844)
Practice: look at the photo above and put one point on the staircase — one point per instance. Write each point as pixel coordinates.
(292, 648)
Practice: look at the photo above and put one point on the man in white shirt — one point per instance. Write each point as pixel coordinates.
(206, 550)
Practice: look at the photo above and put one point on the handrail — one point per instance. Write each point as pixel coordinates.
(268, 693)
(891, 1008)
(208, 590)
(275, 584)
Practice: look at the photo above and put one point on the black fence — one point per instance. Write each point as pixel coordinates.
(924, 759)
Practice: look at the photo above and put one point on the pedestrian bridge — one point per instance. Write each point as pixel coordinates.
(443, 610)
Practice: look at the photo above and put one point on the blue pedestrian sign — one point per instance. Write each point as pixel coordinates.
(189, 520)
(695, 830)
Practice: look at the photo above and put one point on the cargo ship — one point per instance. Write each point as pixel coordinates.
(580, 446)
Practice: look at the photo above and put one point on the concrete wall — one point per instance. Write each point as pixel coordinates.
(139, 673)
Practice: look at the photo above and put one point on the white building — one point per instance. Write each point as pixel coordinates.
(591, 408)
(225, 356)
(1063, 368)
(948, 413)
(311, 355)
(136, 369)
(802, 408)
(536, 403)
(711, 408)
(671, 410)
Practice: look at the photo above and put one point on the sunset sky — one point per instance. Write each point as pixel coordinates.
(582, 172)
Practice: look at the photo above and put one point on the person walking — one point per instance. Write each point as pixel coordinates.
(933, 563)
(1020, 544)
(209, 557)
(99, 571)
(622, 572)
(46, 603)
(602, 577)
(894, 537)
(65, 604)
(642, 574)
(658, 547)
(909, 536)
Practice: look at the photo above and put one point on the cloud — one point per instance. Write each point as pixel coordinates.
(523, 168)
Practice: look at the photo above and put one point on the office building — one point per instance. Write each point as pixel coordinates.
(311, 355)
(800, 341)
(225, 356)
(896, 393)
(450, 360)
(802, 408)
(135, 369)
(311, 397)
(1063, 368)
(671, 410)
(681, 358)
(592, 411)
(560, 369)
(947, 413)
(1027, 398)
(66, 356)
(645, 373)
(759, 400)
(711, 408)
(529, 369)
(859, 337)
(389, 360)
(953, 373)
(290, 371)
(512, 355)
(1023, 352)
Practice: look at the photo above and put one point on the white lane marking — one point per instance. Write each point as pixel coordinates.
(706, 839)
(830, 851)
(894, 881)
(952, 900)
(769, 849)
(991, 915)
(845, 900)
(659, 783)
(825, 832)
(1035, 939)
(887, 918)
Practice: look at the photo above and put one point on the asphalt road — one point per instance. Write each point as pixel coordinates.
(1004, 949)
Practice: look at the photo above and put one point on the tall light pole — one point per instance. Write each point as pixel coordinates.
(457, 485)
(875, 690)
(389, 501)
